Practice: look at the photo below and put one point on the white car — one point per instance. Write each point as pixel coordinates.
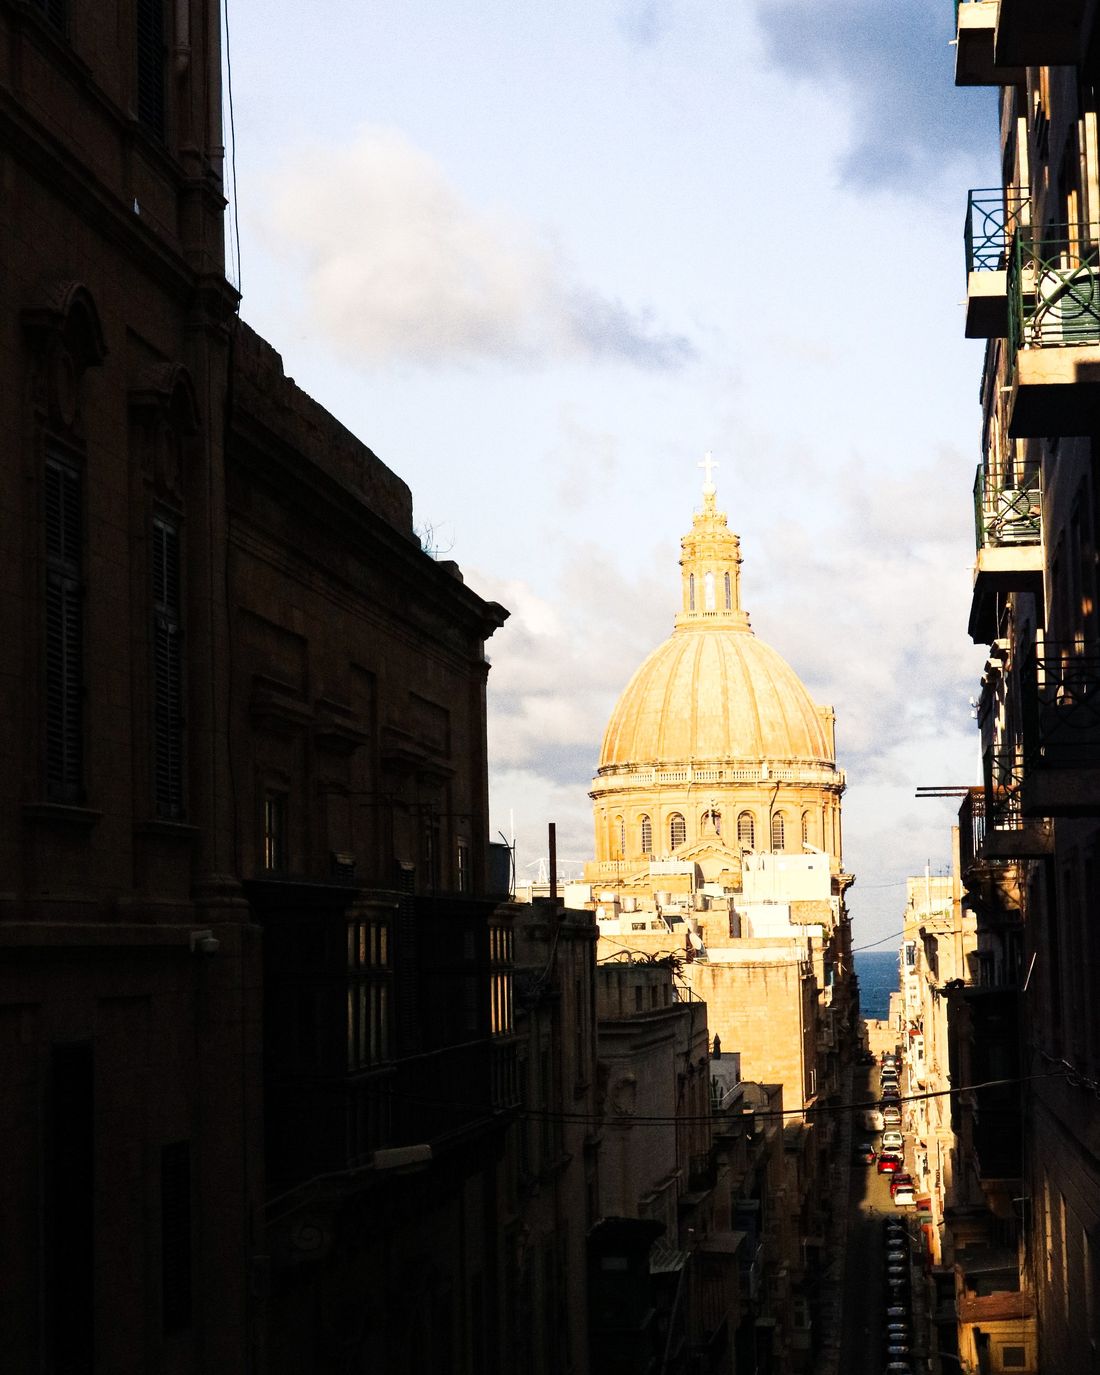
(892, 1141)
(904, 1197)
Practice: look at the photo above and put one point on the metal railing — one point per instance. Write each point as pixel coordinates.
(1054, 288)
(1004, 779)
(1005, 515)
(1061, 705)
(993, 215)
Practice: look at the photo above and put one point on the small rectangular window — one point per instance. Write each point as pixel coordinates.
(463, 867)
(275, 855)
(1013, 1357)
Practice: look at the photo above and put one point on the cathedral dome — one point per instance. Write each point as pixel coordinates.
(714, 693)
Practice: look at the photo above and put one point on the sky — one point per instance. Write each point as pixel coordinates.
(542, 258)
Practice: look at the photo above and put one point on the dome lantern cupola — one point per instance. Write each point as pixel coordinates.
(710, 564)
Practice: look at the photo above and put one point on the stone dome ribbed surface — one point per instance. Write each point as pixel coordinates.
(714, 693)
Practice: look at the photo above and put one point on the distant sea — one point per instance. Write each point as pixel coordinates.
(877, 971)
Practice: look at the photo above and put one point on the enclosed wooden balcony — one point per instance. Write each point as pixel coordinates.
(1060, 683)
(1039, 33)
(1054, 333)
(1009, 556)
(975, 51)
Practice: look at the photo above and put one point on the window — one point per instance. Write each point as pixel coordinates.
(500, 975)
(647, 836)
(150, 65)
(175, 1237)
(69, 1208)
(691, 591)
(463, 867)
(1013, 1358)
(712, 822)
(729, 594)
(746, 831)
(275, 856)
(51, 10)
(677, 831)
(620, 837)
(805, 828)
(708, 590)
(167, 669)
(778, 831)
(64, 631)
(368, 1010)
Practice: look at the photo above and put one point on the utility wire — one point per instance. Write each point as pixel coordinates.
(657, 1120)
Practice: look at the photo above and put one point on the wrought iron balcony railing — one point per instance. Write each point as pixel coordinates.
(971, 826)
(1054, 288)
(1004, 515)
(993, 216)
(1061, 705)
(1004, 779)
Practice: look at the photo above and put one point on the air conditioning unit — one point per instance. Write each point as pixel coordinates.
(1015, 514)
(1067, 306)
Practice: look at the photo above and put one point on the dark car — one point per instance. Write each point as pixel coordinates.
(889, 1095)
(897, 1257)
(866, 1057)
(897, 1312)
(896, 1332)
(864, 1154)
(887, 1164)
(900, 1179)
(897, 1351)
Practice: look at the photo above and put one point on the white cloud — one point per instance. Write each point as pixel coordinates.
(399, 266)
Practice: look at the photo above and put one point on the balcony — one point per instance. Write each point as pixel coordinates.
(1060, 683)
(975, 51)
(992, 827)
(1039, 33)
(1054, 333)
(993, 216)
(1008, 531)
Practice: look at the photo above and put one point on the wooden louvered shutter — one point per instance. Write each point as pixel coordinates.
(64, 632)
(167, 670)
(150, 65)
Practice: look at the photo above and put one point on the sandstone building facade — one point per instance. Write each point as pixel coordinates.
(1030, 836)
(243, 817)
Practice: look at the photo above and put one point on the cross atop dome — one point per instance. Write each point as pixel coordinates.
(709, 462)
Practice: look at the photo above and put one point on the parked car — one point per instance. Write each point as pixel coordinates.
(897, 1332)
(866, 1057)
(897, 1312)
(864, 1153)
(892, 1141)
(888, 1163)
(905, 1198)
(891, 1115)
(900, 1178)
(897, 1257)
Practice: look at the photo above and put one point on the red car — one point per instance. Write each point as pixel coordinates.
(899, 1180)
(888, 1164)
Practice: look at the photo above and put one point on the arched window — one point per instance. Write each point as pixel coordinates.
(710, 823)
(677, 831)
(778, 831)
(805, 828)
(620, 836)
(691, 591)
(729, 594)
(647, 836)
(746, 831)
(708, 590)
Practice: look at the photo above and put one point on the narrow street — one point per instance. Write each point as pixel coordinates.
(863, 1345)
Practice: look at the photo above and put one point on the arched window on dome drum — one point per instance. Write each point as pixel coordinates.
(620, 836)
(778, 831)
(677, 831)
(805, 828)
(647, 836)
(708, 590)
(691, 591)
(746, 831)
(729, 594)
